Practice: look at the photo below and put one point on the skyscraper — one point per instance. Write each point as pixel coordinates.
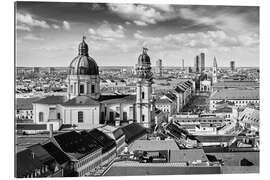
(197, 64)
(202, 62)
(159, 68)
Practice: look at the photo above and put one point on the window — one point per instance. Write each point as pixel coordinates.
(80, 116)
(58, 116)
(143, 118)
(142, 95)
(41, 116)
(111, 116)
(124, 116)
(71, 88)
(93, 88)
(81, 89)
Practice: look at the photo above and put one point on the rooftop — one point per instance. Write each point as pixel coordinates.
(153, 145)
(25, 103)
(51, 100)
(235, 94)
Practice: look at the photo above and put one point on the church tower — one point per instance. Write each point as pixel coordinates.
(214, 71)
(83, 76)
(144, 90)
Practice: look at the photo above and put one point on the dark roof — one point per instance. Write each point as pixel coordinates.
(41, 153)
(171, 96)
(118, 99)
(226, 102)
(25, 103)
(214, 138)
(179, 90)
(83, 64)
(52, 100)
(176, 131)
(223, 109)
(26, 163)
(133, 131)
(118, 133)
(31, 126)
(100, 138)
(75, 144)
(56, 153)
(81, 101)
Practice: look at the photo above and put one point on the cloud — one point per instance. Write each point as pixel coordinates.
(28, 20)
(33, 37)
(55, 26)
(140, 23)
(137, 13)
(208, 39)
(23, 27)
(107, 31)
(66, 25)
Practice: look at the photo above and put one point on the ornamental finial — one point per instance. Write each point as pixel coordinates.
(145, 50)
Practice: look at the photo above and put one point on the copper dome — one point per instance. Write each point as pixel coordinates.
(83, 64)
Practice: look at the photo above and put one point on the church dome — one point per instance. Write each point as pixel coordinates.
(144, 58)
(83, 64)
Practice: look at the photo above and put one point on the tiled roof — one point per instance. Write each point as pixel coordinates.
(56, 153)
(133, 131)
(100, 138)
(75, 144)
(235, 94)
(25, 103)
(52, 100)
(236, 84)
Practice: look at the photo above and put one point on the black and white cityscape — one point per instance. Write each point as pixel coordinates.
(136, 89)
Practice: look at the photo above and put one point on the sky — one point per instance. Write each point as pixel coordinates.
(48, 33)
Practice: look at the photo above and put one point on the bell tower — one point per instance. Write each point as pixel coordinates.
(144, 90)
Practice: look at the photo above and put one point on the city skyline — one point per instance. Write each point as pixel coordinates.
(48, 34)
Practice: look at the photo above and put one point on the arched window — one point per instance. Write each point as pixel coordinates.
(80, 117)
(41, 116)
(58, 116)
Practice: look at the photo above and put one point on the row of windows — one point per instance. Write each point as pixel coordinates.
(243, 101)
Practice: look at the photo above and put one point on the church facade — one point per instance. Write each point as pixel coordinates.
(84, 103)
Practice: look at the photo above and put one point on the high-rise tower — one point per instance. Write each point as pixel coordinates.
(159, 68)
(83, 77)
(202, 59)
(144, 90)
(214, 71)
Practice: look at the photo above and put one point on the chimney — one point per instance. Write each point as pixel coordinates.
(51, 130)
